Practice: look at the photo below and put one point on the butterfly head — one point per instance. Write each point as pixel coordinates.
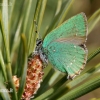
(38, 45)
(39, 42)
(40, 51)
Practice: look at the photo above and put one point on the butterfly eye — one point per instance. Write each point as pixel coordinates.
(38, 42)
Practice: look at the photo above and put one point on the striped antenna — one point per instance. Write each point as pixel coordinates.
(37, 29)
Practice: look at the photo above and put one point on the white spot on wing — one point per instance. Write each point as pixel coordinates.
(54, 50)
(70, 63)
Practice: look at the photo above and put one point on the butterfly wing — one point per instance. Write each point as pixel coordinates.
(65, 45)
(67, 57)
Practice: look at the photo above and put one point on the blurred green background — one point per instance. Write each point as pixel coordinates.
(18, 14)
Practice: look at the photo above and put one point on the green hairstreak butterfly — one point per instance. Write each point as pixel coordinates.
(64, 47)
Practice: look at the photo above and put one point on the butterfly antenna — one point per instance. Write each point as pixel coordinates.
(37, 29)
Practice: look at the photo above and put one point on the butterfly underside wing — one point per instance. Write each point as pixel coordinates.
(65, 45)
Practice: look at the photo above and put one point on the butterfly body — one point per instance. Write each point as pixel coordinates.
(64, 47)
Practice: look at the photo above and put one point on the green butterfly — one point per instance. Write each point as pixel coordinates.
(64, 47)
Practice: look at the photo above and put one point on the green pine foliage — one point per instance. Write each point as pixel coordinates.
(17, 41)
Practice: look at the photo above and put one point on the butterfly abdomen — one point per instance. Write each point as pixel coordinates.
(33, 78)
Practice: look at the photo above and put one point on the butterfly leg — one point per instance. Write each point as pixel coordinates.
(31, 56)
(69, 77)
